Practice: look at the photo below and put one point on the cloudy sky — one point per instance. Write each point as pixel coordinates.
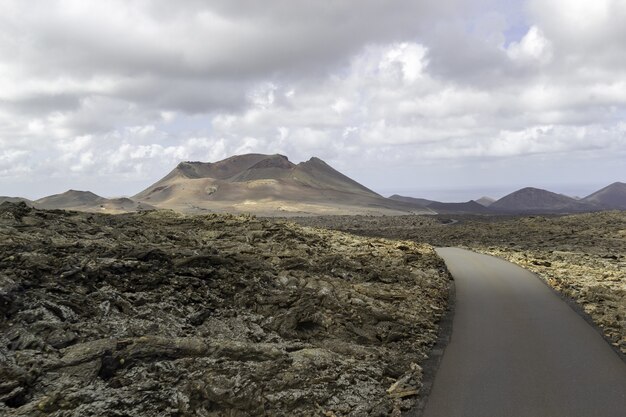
(446, 99)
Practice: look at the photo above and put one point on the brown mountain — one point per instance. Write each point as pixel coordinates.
(536, 200)
(266, 185)
(610, 197)
(88, 201)
(71, 199)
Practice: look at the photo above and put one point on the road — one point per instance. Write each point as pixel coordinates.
(518, 350)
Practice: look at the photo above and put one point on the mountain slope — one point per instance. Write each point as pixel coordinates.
(485, 201)
(268, 185)
(611, 197)
(317, 173)
(531, 199)
(412, 200)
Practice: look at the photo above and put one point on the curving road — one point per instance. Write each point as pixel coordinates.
(518, 350)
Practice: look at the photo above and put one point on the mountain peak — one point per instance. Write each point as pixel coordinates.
(274, 161)
(77, 194)
(531, 199)
(485, 201)
(80, 193)
(612, 196)
(532, 190)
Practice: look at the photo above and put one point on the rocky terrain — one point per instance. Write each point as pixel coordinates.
(158, 314)
(583, 256)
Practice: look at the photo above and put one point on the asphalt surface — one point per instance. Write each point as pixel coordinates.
(518, 350)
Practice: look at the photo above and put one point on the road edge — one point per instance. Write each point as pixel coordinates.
(431, 364)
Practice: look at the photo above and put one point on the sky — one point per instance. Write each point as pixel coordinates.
(446, 99)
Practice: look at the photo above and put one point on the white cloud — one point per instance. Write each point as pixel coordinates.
(405, 62)
(533, 48)
(587, 34)
(128, 89)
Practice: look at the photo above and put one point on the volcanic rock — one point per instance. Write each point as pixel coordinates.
(156, 313)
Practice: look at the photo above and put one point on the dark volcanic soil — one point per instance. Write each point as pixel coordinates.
(158, 314)
(583, 256)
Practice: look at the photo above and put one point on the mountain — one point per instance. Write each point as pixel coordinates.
(267, 185)
(412, 200)
(469, 207)
(610, 197)
(71, 199)
(88, 201)
(535, 200)
(485, 201)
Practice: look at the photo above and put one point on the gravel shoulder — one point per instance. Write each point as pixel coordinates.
(161, 314)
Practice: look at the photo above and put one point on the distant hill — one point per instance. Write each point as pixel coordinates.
(267, 185)
(15, 200)
(485, 201)
(469, 207)
(412, 200)
(71, 199)
(609, 197)
(531, 199)
(88, 201)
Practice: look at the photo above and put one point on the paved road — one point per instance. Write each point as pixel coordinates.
(518, 350)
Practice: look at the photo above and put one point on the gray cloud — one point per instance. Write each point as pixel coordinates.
(125, 89)
(199, 39)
